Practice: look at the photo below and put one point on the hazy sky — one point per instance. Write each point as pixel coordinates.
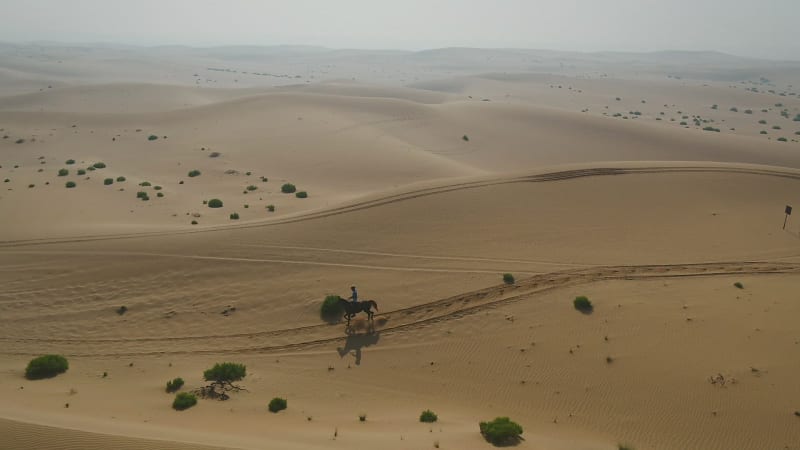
(765, 28)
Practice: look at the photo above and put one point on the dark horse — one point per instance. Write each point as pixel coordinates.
(351, 309)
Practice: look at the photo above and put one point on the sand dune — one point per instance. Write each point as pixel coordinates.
(429, 175)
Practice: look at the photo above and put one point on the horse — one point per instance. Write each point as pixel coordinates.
(351, 309)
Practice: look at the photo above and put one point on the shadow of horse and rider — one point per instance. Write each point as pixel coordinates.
(356, 341)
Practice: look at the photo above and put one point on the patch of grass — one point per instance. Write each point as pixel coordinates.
(711, 129)
(501, 431)
(81, 172)
(63, 172)
(70, 184)
(184, 400)
(108, 181)
(428, 416)
(251, 188)
(145, 184)
(582, 303)
(330, 308)
(174, 385)
(46, 366)
(120, 179)
(194, 173)
(288, 188)
(276, 404)
(301, 194)
(99, 165)
(70, 162)
(234, 216)
(215, 203)
(152, 137)
(508, 278)
(271, 208)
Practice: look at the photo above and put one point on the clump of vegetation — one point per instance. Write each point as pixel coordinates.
(122, 310)
(582, 304)
(251, 188)
(99, 165)
(330, 308)
(214, 155)
(194, 222)
(734, 109)
(160, 194)
(465, 138)
(120, 179)
(776, 127)
(158, 188)
(184, 400)
(428, 416)
(624, 447)
(152, 137)
(215, 203)
(271, 208)
(508, 278)
(108, 181)
(174, 385)
(362, 417)
(711, 129)
(70, 184)
(63, 172)
(194, 173)
(19, 141)
(762, 122)
(501, 431)
(301, 194)
(739, 285)
(70, 161)
(277, 404)
(748, 111)
(145, 184)
(782, 139)
(288, 188)
(46, 366)
(234, 216)
(714, 106)
(141, 194)
(81, 172)
(222, 377)
(91, 169)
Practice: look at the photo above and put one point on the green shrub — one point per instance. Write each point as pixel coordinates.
(465, 138)
(81, 172)
(122, 310)
(152, 137)
(158, 188)
(301, 194)
(797, 118)
(501, 431)
(108, 181)
(91, 169)
(145, 184)
(776, 127)
(6, 180)
(141, 194)
(782, 139)
(428, 416)
(184, 400)
(508, 278)
(251, 188)
(70, 161)
(120, 179)
(248, 173)
(735, 109)
(194, 222)
(225, 372)
(160, 194)
(174, 385)
(739, 285)
(277, 404)
(330, 308)
(288, 188)
(63, 172)
(748, 111)
(215, 203)
(194, 173)
(271, 208)
(99, 165)
(762, 132)
(234, 216)
(70, 184)
(582, 304)
(711, 129)
(762, 122)
(362, 417)
(46, 366)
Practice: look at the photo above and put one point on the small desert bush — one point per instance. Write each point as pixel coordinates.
(581, 303)
(776, 127)
(99, 165)
(501, 431)
(46, 366)
(70, 161)
(122, 310)
(120, 179)
(184, 400)
(362, 417)
(194, 173)
(330, 307)
(91, 169)
(160, 194)
(194, 222)
(271, 208)
(63, 172)
(762, 122)
(141, 194)
(234, 216)
(748, 111)
(782, 139)
(797, 118)
(288, 188)
(711, 129)
(145, 184)
(81, 171)
(215, 203)
(277, 404)
(225, 372)
(739, 285)
(465, 138)
(734, 109)
(70, 184)
(174, 385)
(152, 137)
(108, 181)
(762, 132)
(428, 416)
(508, 278)
(251, 188)
(158, 188)
(624, 447)
(301, 194)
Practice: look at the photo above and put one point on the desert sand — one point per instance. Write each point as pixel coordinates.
(429, 175)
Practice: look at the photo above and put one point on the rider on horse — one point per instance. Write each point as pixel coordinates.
(353, 297)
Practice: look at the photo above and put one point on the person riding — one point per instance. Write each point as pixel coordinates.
(354, 296)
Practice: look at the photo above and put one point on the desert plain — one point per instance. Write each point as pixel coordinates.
(654, 184)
